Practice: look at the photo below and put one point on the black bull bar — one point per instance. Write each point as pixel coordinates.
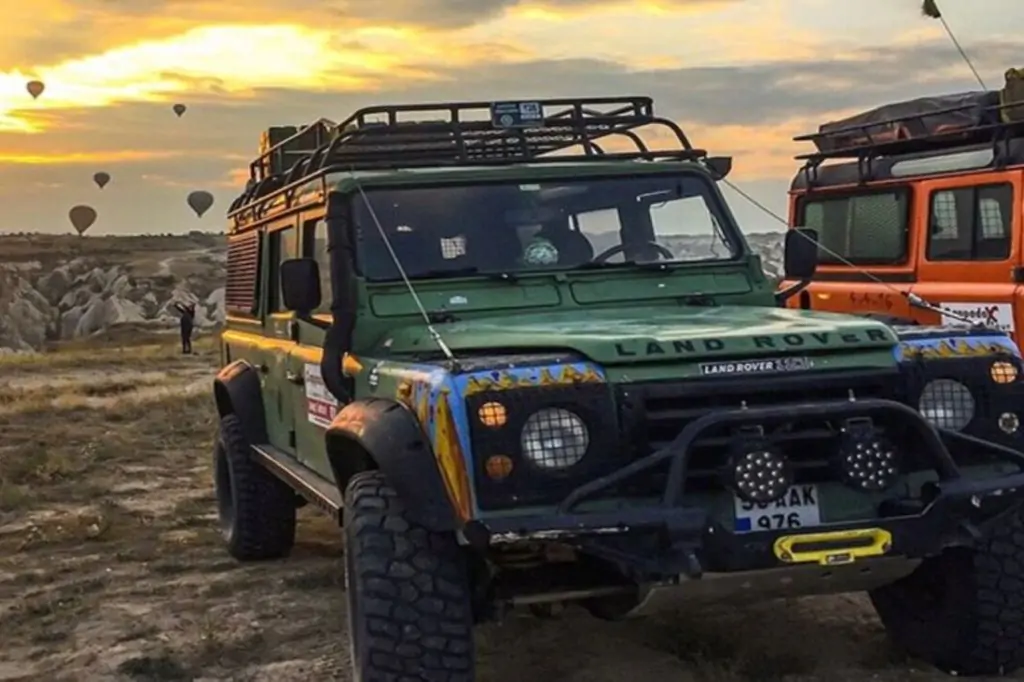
(685, 539)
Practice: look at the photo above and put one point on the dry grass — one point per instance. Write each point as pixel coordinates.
(57, 248)
(111, 566)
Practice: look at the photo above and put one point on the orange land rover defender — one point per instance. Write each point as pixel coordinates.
(923, 196)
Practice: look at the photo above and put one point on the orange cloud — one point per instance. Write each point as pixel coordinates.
(759, 153)
(221, 61)
(92, 158)
(235, 179)
(540, 10)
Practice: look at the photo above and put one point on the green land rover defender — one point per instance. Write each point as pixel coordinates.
(523, 360)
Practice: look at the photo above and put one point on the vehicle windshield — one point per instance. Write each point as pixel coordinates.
(522, 227)
(867, 228)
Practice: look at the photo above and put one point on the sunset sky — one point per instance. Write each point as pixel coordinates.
(742, 76)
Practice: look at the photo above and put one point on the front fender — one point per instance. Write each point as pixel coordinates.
(237, 391)
(384, 434)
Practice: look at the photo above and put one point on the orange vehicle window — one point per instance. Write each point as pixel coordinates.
(863, 227)
(970, 223)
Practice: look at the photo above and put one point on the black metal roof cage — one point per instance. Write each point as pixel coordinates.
(464, 133)
(870, 145)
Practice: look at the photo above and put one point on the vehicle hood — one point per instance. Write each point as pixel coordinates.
(618, 336)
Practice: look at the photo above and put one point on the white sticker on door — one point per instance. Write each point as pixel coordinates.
(321, 406)
(993, 315)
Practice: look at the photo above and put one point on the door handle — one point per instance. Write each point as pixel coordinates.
(294, 378)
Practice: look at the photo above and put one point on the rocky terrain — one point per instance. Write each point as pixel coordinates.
(61, 287)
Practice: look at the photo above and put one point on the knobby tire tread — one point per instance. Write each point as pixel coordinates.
(263, 526)
(413, 621)
(979, 629)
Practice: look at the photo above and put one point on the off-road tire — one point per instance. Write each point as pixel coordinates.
(409, 598)
(255, 509)
(963, 611)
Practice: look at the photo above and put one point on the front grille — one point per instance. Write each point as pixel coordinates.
(647, 416)
(653, 414)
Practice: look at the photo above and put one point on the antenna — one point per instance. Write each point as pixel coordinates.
(434, 334)
(930, 8)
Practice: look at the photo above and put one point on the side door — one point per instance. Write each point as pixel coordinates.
(867, 242)
(970, 253)
(313, 405)
(279, 393)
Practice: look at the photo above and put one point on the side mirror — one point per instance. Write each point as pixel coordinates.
(300, 284)
(801, 253)
(719, 166)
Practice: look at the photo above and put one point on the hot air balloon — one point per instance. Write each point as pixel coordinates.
(82, 218)
(200, 201)
(35, 88)
(179, 109)
(101, 179)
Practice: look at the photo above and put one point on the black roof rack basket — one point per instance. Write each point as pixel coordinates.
(864, 143)
(467, 133)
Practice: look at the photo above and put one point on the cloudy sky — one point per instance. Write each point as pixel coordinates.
(742, 76)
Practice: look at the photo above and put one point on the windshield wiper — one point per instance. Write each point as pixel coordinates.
(655, 265)
(471, 271)
(699, 301)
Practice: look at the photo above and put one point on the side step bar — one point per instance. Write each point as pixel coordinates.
(310, 485)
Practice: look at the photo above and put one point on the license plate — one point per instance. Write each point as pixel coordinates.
(798, 508)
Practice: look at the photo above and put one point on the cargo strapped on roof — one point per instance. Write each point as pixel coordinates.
(927, 124)
(461, 134)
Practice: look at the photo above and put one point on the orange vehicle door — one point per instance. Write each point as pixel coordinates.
(867, 248)
(970, 247)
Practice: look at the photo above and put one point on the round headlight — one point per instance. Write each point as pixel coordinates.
(947, 404)
(554, 438)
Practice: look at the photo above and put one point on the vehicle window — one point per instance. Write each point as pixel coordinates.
(314, 243)
(690, 228)
(970, 223)
(514, 227)
(993, 222)
(860, 228)
(283, 246)
(601, 228)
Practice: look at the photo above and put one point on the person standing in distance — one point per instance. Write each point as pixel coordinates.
(186, 322)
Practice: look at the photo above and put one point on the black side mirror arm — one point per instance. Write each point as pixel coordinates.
(789, 292)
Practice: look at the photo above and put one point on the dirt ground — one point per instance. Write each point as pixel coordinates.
(111, 567)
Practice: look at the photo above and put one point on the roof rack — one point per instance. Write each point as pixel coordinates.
(997, 134)
(462, 134)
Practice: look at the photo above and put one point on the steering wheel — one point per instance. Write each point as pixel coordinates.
(619, 248)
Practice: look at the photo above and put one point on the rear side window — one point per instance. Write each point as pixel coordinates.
(863, 228)
(283, 246)
(970, 223)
